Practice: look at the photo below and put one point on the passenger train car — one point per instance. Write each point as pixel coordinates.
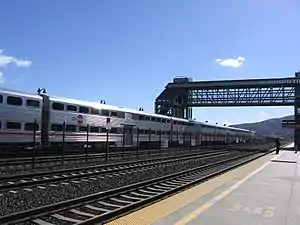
(26, 117)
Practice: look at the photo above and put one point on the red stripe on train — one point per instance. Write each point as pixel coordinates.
(56, 134)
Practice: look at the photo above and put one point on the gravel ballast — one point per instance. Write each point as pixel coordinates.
(44, 195)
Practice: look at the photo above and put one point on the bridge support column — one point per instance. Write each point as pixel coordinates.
(297, 112)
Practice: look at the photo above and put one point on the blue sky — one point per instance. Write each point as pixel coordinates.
(125, 52)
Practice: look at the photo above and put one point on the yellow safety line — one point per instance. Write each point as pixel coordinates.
(217, 198)
(167, 206)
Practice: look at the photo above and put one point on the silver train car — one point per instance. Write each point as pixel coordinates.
(22, 115)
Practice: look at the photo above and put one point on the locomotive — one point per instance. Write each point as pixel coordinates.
(51, 120)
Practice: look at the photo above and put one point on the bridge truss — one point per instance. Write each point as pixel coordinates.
(178, 98)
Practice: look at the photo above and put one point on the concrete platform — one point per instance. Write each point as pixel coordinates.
(290, 145)
(265, 191)
(268, 195)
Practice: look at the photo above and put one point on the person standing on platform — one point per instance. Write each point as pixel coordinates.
(277, 146)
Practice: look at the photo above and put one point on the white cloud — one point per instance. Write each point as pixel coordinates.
(1, 78)
(231, 62)
(5, 60)
(23, 63)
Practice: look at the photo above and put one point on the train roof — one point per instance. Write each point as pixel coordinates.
(117, 108)
(109, 107)
(20, 93)
(220, 126)
(103, 106)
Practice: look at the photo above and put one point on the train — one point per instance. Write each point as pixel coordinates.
(46, 120)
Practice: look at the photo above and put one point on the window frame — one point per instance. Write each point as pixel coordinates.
(114, 113)
(71, 125)
(13, 97)
(83, 111)
(104, 114)
(58, 103)
(92, 127)
(32, 100)
(70, 106)
(57, 124)
(95, 111)
(114, 130)
(9, 122)
(31, 124)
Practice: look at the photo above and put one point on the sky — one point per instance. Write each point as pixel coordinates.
(125, 52)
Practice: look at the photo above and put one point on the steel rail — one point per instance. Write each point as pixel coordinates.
(126, 198)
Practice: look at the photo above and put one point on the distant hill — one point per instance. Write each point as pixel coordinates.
(270, 127)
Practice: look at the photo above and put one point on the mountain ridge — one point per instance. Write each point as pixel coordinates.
(269, 127)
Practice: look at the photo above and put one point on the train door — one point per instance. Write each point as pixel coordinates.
(128, 135)
(171, 131)
(45, 121)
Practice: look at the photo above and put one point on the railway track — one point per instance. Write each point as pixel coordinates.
(104, 206)
(21, 169)
(20, 165)
(51, 177)
(40, 161)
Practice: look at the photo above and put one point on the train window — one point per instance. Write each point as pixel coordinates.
(147, 118)
(94, 129)
(121, 115)
(1, 98)
(159, 120)
(32, 103)
(163, 120)
(147, 131)
(175, 122)
(95, 111)
(113, 113)
(84, 129)
(56, 127)
(102, 130)
(0, 124)
(13, 125)
(163, 132)
(83, 109)
(141, 117)
(153, 119)
(134, 116)
(11, 100)
(72, 108)
(174, 132)
(70, 128)
(104, 112)
(168, 132)
(168, 121)
(58, 106)
(114, 130)
(31, 126)
(152, 131)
